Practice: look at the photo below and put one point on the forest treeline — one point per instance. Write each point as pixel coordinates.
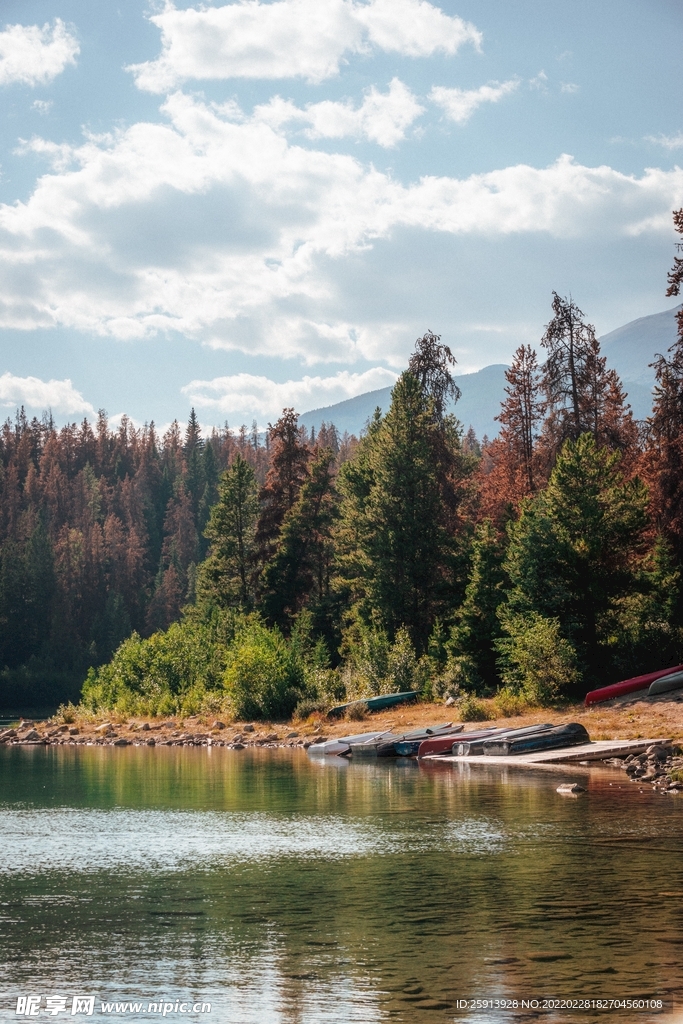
(256, 574)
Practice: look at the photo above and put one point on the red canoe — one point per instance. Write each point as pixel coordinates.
(628, 685)
(444, 744)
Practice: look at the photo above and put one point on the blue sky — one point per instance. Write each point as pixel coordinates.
(250, 205)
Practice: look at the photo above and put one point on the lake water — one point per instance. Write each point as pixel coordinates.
(288, 891)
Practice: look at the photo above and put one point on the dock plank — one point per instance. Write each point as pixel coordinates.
(594, 751)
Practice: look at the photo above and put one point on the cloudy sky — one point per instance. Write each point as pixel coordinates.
(249, 205)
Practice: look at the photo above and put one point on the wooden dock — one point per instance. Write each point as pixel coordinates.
(583, 754)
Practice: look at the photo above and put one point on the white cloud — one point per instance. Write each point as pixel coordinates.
(539, 82)
(214, 226)
(30, 55)
(245, 396)
(460, 104)
(569, 87)
(42, 106)
(381, 118)
(667, 141)
(59, 395)
(292, 38)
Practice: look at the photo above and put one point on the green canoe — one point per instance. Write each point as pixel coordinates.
(385, 700)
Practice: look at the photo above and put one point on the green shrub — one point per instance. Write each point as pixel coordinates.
(535, 660)
(472, 710)
(508, 703)
(263, 676)
(170, 673)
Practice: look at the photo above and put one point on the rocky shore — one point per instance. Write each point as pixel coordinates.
(150, 734)
(660, 766)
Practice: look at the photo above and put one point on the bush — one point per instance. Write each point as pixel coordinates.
(307, 707)
(176, 672)
(535, 660)
(472, 710)
(508, 703)
(263, 676)
(374, 666)
(357, 712)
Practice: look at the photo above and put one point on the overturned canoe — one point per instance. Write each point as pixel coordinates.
(341, 744)
(410, 744)
(444, 744)
(551, 739)
(666, 683)
(466, 748)
(387, 745)
(629, 685)
(385, 700)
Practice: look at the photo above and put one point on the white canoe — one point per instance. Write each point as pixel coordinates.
(341, 744)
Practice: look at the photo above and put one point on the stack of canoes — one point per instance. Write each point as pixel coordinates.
(449, 739)
(662, 681)
(401, 745)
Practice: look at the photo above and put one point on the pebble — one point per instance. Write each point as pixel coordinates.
(571, 788)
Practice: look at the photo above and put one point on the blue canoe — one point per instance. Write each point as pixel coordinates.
(385, 700)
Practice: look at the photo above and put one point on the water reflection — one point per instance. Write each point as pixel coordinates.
(283, 890)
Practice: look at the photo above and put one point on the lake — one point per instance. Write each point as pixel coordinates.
(280, 889)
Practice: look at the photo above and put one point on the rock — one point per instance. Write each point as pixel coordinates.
(218, 725)
(247, 728)
(25, 724)
(74, 732)
(271, 737)
(30, 737)
(238, 746)
(144, 727)
(291, 735)
(105, 728)
(449, 702)
(151, 742)
(8, 734)
(571, 788)
(121, 742)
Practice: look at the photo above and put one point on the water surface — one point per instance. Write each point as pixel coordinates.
(287, 891)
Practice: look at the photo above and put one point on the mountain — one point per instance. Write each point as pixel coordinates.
(629, 350)
(477, 407)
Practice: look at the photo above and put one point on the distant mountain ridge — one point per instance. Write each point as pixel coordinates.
(629, 350)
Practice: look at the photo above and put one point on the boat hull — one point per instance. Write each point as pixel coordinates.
(467, 748)
(553, 739)
(666, 683)
(628, 685)
(384, 700)
(444, 744)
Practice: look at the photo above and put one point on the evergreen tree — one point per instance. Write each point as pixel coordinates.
(477, 624)
(299, 572)
(399, 495)
(289, 456)
(573, 552)
(226, 577)
(430, 364)
(664, 450)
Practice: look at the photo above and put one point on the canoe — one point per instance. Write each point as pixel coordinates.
(410, 746)
(466, 748)
(386, 745)
(551, 739)
(341, 744)
(444, 744)
(674, 681)
(385, 700)
(629, 685)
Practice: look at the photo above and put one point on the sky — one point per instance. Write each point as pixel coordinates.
(243, 206)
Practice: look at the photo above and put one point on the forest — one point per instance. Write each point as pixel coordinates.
(261, 574)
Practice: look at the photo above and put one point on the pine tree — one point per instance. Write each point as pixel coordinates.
(573, 551)
(664, 450)
(298, 574)
(569, 342)
(430, 364)
(399, 494)
(477, 624)
(289, 457)
(226, 576)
